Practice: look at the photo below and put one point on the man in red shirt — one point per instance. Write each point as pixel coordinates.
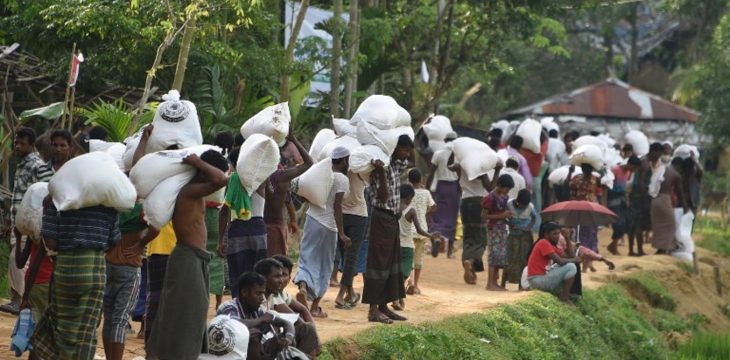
(547, 268)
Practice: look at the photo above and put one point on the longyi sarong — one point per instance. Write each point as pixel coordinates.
(355, 228)
(316, 257)
(68, 328)
(519, 246)
(447, 209)
(475, 232)
(663, 223)
(215, 266)
(245, 246)
(179, 330)
(383, 275)
(497, 244)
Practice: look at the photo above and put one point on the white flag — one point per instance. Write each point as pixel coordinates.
(424, 72)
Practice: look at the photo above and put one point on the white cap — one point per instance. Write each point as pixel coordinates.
(227, 339)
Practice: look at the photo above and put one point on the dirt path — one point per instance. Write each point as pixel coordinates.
(444, 294)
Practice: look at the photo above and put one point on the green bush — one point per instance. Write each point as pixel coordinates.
(705, 346)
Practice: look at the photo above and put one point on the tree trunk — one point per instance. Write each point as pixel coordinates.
(634, 55)
(354, 43)
(289, 54)
(182, 58)
(336, 58)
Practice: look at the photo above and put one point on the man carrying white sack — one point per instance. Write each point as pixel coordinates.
(319, 242)
(178, 331)
(446, 185)
(29, 170)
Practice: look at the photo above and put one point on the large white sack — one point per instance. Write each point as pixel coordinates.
(89, 180)
(130, 144)
(347, 142)
(387, 140)
(683, 234)
(607, 140)
(257, 160)
(685, 151)
(154, 168)
(612, 157)
(100, 145)
(344, 127)
(530, 131)
(29, 217)
(272, 121)
(381, 111)
(437, 127)
(323, 137)
(315, 184)
(558, 176)
(159, 206)
(176, 123)
(511, 129)
(474, 157)
(361, 157)
(549, 124)
(588, 154)
(589, 140)
(436, 145)
(638, 141)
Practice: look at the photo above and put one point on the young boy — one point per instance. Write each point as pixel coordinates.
(319, 242)
(178, 331)
(424, 205)
(264, 340)
(519, 241)
(406, 223)
(495, 212)
(283, 302)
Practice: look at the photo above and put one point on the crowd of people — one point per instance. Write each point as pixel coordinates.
(97, 261)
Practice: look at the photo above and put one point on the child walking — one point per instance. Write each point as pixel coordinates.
(495, 212)
(424, 205)
(519, 242)
(408, 219)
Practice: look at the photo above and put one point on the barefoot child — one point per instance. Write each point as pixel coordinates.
(424, 205)
(408, 219)
(519, 241)
(494, 210)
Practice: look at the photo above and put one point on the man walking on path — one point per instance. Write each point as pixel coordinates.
(444, 184)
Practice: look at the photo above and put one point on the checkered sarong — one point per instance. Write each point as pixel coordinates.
(68, 327)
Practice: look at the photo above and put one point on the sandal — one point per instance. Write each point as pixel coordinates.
(319, 313)
(353, 302)
(343, 306)
(380, 317)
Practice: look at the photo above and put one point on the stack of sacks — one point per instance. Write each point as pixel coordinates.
(272, 121)
(344, 127)
(158, 178)
(685, 151)
(115, 149)
(381, 121)
(257, 160)
(91, 179)
(530, 131)
(347, 142)
(314, 185)
(587, 154)
(29, 217)
(436, 128)
(639, 141)
(474, 157)
(361, 159)
(176, 123)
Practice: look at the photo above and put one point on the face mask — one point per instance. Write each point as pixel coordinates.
(666, 158)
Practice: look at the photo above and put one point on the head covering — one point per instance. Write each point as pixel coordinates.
(227, 339)
(340, 152)
(451, 136)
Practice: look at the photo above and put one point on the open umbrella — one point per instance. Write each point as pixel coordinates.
(574, 213)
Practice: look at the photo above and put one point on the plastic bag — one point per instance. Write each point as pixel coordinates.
(176, 123)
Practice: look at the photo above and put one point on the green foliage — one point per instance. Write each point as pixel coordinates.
(116, 118)
(646, 288)
(714, 238)
(48, 112)
(605, 325)
(704, 346)
(4, 258)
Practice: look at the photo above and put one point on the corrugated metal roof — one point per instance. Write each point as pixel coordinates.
(611, 98)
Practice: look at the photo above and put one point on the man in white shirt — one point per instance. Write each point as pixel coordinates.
(512, 168)
(444, 183)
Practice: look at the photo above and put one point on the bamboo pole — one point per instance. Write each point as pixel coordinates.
(68, 89)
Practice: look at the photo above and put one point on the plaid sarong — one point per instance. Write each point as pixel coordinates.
(68, 327)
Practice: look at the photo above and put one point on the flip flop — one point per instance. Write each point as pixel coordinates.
(345, 306)
(354, 301)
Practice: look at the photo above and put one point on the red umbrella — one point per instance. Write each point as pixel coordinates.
(574, 213)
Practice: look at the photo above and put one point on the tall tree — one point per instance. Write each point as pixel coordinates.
(289, 51)
(353, 41)
(336, 59)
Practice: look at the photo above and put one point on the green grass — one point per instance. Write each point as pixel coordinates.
(714, 238)
(605, 325)
(4, 257)
(705, 346)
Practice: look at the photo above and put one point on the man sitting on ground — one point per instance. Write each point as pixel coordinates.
(556, 277)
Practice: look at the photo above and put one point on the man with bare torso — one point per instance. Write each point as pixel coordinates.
(178, 331)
